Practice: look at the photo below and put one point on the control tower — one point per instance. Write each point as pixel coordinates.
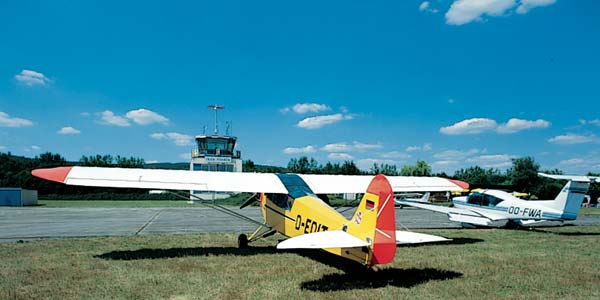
(215, 152)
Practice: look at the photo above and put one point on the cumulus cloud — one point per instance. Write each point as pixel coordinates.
(340, 156)
(145, 117)
(454, 155)
(515, 125)
(425, 6)
(68, 130)
(367, 163)
(320, 121)
(303, 108)
(301, 150)
(425, 147)
(107, 117)
(347, 147)
(179, 139)
(394, 154)
(8, 121)
(572, 139)
(526, 5)
(470, 126)
(32, 148)
(481, 125)
(32, 78)
(466, 11)
(492, 161)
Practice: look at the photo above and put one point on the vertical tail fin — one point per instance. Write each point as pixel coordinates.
(375, 221)
(570, 198)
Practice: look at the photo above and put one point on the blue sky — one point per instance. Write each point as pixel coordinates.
(456, 83)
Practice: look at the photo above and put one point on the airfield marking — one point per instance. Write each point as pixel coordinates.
(149, 222)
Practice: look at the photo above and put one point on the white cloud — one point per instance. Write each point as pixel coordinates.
(394, 154)
(303, 150)
(492, 161)
(107, 117)
(156, 161)
(337, 147)
(470, 126)
(179, 139)
(427, 147)
(454, 155)
(68, 130)
(340, 156)
(85, 114)
(425, 6)
(364, 147)
(32, 148)
(592, 122)
(515, 125)
(32, 78)
(186, 156)
(303, 108)
(145, 117)
(2, 147)
(367, 163)
(465, 11)
(451, 100)
(480, 125)
(526, 5)
(572, 139)
(412, 148)
(8, 121)
(320, 121)
(346, 147)
(573, 162)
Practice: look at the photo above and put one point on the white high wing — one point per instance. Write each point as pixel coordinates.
(499, 208)
(270, 183)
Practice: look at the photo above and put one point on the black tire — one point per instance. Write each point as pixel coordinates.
(242, 241)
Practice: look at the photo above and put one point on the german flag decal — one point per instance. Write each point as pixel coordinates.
(370, 205)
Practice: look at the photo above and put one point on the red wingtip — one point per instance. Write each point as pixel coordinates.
(58, 174)
(460, 183)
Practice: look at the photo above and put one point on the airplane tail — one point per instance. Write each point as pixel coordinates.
(572, 194)
(375, 221)
(369, 237)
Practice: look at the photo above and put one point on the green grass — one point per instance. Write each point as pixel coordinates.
(588, 211)
(550, 263)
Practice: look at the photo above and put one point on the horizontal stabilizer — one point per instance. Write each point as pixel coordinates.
(407, 237)
(323, 239)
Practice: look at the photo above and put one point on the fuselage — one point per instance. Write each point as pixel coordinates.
(497, 204)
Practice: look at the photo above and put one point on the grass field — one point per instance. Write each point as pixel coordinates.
(553, 263)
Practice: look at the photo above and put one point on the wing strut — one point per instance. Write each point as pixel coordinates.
(220, 208)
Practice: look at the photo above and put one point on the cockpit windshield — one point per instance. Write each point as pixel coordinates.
(483, 200)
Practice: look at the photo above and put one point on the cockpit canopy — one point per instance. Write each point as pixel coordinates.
(483, 199)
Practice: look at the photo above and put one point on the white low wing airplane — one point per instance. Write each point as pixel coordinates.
(411, 197)
(493, 208)
(289, 204)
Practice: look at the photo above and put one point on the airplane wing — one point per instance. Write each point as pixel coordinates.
(441, 209)
(408, 237)
(230, 181)
(323, 239)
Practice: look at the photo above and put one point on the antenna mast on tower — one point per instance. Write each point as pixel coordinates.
(216, 109)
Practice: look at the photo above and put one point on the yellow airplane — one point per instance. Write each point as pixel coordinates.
(290, 205)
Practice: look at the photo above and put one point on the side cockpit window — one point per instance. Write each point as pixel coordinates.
(281, 200)
(474, 198)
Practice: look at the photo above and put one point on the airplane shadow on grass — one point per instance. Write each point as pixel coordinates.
(184, 252)
(370, 279)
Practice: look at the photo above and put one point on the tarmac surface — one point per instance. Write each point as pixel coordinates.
(32, 223)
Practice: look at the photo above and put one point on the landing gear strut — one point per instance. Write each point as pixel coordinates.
(242, 241)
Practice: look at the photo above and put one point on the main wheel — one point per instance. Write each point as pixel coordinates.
(242, 241)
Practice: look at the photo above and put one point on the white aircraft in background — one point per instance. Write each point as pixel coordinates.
(411, 197)
(495, 208)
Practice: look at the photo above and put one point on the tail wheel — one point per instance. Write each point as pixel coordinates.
(242, 241)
